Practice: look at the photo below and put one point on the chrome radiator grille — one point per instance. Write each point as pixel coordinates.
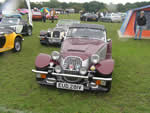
(56, 34)
(74, 61)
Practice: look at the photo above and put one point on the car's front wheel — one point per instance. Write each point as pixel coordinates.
(17, 45)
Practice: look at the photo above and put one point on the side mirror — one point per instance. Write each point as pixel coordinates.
(109, 40)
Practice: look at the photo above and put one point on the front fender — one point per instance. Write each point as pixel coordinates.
(42, 60)
(105, 67)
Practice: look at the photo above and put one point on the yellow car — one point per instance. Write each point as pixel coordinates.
(9, 40)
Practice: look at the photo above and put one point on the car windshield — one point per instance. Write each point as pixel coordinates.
(67, 22)
(86, 33)
(10, 21)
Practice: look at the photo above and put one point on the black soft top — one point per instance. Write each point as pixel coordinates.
(91, 26)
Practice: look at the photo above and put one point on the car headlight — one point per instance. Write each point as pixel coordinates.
(58, 69)
(83, 70)
(95, 59)
(55, 55)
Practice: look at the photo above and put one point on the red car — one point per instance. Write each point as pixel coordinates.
(83, 63)
(36, 15)
(49, 17)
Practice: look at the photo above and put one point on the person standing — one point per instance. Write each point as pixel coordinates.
(44, 13)
(52, 14)
(141, 22)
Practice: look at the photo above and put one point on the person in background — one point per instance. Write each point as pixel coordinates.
(141, 22)
(44, 16)
(52, 14)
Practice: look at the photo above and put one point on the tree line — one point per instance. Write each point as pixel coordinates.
(93, 6)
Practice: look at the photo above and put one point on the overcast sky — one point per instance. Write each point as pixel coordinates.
(105, 1)
(82, 1)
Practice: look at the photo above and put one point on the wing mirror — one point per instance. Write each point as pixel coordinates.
(109, 40)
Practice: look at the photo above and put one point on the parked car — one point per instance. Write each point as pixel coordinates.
(19, 25)
(23, 11)
(9, 40)
(83, 63)
(112, 17)
(56, 35)
(36, 15)
(89, 17)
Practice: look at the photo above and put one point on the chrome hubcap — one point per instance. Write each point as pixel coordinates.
(17, 46)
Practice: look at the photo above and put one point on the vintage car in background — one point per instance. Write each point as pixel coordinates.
(36, 15)
(112, 17)
(23, 11)
(19, 25)
(57, 35)
(89, 17)
(83, 63)
(48, 16)
(9, 40)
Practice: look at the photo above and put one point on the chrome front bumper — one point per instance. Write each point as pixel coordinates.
(76, 76)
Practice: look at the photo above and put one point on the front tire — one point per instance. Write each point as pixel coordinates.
(17, 45)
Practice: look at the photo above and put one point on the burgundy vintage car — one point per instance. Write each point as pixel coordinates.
(83, 63)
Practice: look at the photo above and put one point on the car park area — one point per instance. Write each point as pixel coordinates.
(130, 86)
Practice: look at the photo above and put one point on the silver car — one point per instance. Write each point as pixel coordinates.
(111, 17)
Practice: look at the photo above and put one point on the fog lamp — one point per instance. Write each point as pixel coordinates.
(58, 69)
(92, 68)
(83, 71)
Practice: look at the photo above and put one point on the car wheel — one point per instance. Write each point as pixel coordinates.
(17, 45)
(29, 32)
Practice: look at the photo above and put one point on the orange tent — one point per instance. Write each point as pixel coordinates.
(129, 25)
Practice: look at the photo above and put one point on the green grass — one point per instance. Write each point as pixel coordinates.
(130, 92)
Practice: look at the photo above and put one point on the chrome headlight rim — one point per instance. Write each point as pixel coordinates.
(55, 55)
(95, 59)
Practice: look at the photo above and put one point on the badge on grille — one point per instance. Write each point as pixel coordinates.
(71, 67)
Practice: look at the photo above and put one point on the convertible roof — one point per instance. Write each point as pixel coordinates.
(91, 26)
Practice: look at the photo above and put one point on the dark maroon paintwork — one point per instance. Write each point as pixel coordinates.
(82, 48)
(42, 60)
(106, 67)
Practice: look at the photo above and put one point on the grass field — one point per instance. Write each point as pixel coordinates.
(19, 92)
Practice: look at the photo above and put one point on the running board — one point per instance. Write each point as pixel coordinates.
(5, 49)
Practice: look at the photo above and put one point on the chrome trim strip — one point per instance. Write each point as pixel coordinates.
(84, 77)
(40, 72)
(68, 75)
